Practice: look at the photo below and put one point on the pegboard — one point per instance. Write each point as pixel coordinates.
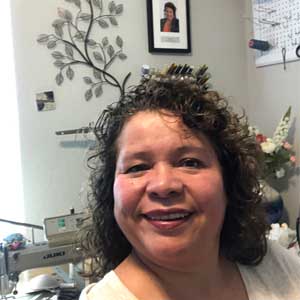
(278, 22)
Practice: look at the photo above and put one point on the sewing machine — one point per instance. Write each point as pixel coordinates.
(55, 251)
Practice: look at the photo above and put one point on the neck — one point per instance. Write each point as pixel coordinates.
(172, 283)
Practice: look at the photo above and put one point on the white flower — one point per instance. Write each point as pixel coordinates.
(282, 129)
(280, 173)
(268, 146)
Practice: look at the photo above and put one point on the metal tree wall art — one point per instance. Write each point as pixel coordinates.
(73, 44)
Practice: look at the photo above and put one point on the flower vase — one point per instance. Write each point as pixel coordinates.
(272, 202)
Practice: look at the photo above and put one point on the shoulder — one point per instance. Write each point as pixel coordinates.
(175, 25)
(108, 288)
(282, 259)
(278, 273)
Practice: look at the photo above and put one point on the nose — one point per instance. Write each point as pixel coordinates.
(164, 183)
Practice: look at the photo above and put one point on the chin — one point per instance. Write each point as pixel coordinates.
(167, 254)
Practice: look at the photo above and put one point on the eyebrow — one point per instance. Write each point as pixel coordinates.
(190, 148)
(178, 151)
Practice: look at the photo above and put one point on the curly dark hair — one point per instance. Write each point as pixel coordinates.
(243, 233)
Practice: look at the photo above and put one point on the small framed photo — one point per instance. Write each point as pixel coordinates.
(45, 101)
(169, 26)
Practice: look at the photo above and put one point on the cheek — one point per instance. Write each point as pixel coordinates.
(126, 195)
(218, 198)
(210, 192)
(212, 201)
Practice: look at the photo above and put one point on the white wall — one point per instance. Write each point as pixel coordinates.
(271, 90)
(53, 174)
(11, 179)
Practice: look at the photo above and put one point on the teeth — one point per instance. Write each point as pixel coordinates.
(168, 217)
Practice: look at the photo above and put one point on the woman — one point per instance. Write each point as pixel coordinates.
(170, 23)
(176, 211)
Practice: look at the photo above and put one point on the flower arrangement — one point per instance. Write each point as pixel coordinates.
(278, 154)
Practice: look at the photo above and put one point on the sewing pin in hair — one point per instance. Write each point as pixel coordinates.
(190, 69)
(203, 78)
(184, 69)
(171, 68)
(177, 70)
(202, 70)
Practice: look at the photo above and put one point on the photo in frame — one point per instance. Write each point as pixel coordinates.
(168, 26)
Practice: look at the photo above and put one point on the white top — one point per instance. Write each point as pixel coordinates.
(277, 277)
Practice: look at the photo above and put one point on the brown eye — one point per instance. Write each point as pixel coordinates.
(137, 168)
(191, 163)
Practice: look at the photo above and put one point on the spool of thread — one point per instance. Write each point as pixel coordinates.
(259, 45)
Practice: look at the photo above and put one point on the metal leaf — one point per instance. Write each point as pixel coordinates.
(96, 3)
(105, 41)
(110, 51)
(97, 74)
(80, 35)
(77, 3)
(102, 23)
(98, 91)
(69, 50)
(111, 6)
(59, 79)
(119, 41)
(98, 56)
(119, 9)
(59, 30)
(70, 73)
(65, 14)
(85, 17)
(88, 94)
(59, 63)
(51, 44)
(91, 43)
(122, 56)
(68, 15)
(87, 80)
(58, 22)
(57, 55)
(43, 38)
(113, 21)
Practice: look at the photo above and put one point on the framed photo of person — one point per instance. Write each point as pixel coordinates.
(169, 26)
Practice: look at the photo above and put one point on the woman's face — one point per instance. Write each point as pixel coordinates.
(168, 190)
(169, 13)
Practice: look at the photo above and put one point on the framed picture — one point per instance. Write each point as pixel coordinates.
(169, 26)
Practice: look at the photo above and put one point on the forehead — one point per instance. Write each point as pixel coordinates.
(148, 120)
(157, 126)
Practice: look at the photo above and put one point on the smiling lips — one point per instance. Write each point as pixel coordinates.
(169, 219)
